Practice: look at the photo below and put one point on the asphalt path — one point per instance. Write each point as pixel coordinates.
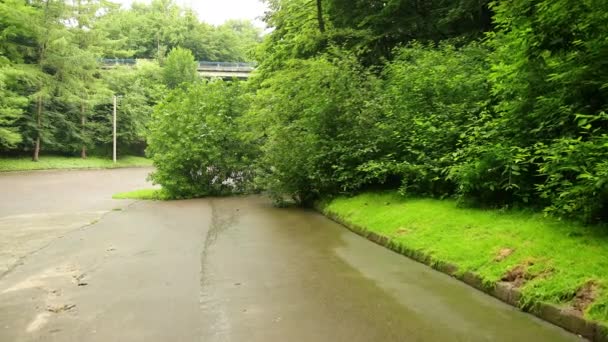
(229, 269)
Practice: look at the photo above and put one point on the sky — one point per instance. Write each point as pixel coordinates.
(217, 11)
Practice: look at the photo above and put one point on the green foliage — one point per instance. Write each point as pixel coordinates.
(348, 95)
(233, 41)
(369, 29)
(493, 174)
(544, 143)
(516, 121)
(11, 108)
(56, 97)
(151, 30)
(431, 93)
(295, 33)
(180, 67)
(138, 89)
(576, 173)
(195, 142)
(315, 120)
(375, 27)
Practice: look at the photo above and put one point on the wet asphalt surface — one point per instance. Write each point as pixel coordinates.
(230, 269)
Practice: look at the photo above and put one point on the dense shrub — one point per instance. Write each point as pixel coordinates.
(317, 121)
(195, 141)
(432, 95)
(544, 141)
(576, 173)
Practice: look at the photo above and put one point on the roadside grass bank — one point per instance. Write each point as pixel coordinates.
(58, 162)
(143, 194)
(557, 270)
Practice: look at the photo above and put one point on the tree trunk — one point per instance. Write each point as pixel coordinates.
(158, 56)
(38, 124)
(39, 100)
(36, 149)
(320, 16)
(83, 152)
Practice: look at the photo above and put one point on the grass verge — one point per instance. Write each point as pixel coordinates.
(143, 194)
(57, 162)
(548, 260)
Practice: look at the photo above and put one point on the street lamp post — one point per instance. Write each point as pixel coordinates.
(114, 130)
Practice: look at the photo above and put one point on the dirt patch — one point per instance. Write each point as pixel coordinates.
(585, 295)
(516, 275)
(503, 254)
(519, 274)
(402, 232)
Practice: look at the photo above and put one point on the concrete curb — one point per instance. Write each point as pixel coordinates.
(564, 318)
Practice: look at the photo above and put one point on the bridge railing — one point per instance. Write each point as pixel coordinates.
(225, 66)
(201, 64)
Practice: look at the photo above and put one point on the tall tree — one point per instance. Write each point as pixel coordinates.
(295, 34)
(151, 30)
(16, 38)
(64, 69)
(375, 27)
(89, 46)
(320, 18)
(50, 33)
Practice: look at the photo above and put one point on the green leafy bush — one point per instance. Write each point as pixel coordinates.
(542, 143)
(576, 173)
(432, 94)
(493, 174)
(317, 122)
(195, 141)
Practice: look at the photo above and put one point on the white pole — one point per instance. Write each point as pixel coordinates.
(114, 131)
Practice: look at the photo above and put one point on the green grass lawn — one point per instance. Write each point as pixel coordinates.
(56, 162)
(561, 261)
(143, 194)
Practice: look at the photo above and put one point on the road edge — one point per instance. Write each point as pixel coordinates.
(506, 293)
(76, 169)
(21, 259)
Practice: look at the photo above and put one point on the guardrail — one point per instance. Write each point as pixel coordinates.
(225, 66)
(202, 65)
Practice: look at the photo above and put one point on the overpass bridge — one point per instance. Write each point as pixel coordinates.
(224, 69)
(204, 68)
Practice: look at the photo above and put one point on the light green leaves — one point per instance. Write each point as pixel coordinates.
(180, 67)
(196, 143)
